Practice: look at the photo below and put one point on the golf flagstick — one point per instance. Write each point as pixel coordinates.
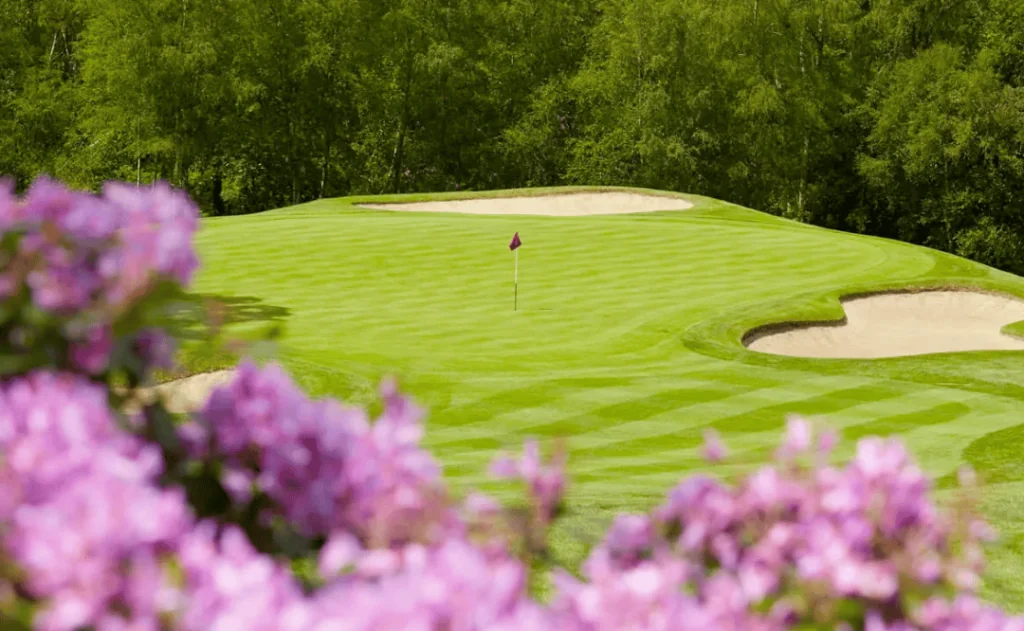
(514, 246)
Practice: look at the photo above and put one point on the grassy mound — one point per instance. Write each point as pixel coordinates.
(627, 341)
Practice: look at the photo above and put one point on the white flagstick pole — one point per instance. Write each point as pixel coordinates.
(516, 308)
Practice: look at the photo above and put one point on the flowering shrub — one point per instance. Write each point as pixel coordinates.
(79, 275)
(267, 510)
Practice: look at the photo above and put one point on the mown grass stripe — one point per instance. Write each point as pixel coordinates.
(596, 351)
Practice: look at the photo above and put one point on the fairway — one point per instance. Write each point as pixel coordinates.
(627, 341)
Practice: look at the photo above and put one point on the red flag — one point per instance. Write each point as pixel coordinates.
(515, 242)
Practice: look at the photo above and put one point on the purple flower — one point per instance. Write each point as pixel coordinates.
(629, 540)
(546, 482)
(450, 586)
(238, 483)
(92, 354)
(294, 449)
(827, 442)
(228, 585)
(798, 438)
(85, 252)
(116, 521)
(714, 448)
(155, 348)
(258, 408)
(649, 595)
(481, 506)
(324, 466)
(65, 462)
(341, 550)
(877, 458)
(396, 490)
(504, 467)
(62, 280)
(159, 226)
(965, 612)
(52, 426)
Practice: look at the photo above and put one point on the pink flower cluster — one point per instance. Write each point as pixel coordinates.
(80, 513)
(859, 531)
(451, 584)
(325, 467)
(86, 260)
(793, 542)
(545, 482)
(80, 250)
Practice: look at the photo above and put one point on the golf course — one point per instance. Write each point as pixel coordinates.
(628, 339)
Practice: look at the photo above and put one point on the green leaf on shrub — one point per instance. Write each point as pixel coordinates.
(161, 427)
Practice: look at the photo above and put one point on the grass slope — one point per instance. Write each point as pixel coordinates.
(627, 341)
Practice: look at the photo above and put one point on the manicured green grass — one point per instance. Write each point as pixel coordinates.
(627, 342)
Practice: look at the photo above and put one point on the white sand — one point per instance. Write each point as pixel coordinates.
(567, 205)
(188, 394)
(897, 324)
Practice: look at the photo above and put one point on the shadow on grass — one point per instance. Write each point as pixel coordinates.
(198, 322)
(204, 309)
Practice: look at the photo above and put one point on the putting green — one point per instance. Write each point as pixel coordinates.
(627, 341)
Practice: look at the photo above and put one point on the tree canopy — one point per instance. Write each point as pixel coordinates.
(901, 118)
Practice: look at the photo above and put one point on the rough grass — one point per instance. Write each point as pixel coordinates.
(627, 341)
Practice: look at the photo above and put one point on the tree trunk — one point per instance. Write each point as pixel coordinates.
(948, 220)
(217, 196)
(803, 174)
(397, 157)
(821, 40)
(138, 155)
(327, 161)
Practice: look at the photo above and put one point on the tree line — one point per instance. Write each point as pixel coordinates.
(900, 118)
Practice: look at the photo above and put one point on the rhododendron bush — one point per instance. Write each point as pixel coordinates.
(267, 510)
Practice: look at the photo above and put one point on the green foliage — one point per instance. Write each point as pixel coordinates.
(895, 118)
(945, 158)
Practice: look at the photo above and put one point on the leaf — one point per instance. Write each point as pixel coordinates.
(206, 495)
(19, 363)
(17, 616)
(289, 541)
(161, 427)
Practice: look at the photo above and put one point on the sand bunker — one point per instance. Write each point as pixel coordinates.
(898, 324)
(188, 394)
(567, 205)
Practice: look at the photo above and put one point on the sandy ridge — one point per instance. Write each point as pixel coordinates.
(896, 324)
(559, 205)
(188, 394)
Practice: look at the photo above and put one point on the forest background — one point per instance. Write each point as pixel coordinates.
(899, 118)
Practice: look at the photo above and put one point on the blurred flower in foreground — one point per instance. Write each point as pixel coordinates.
(74, 265)
(545, 481)
(82, 516)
